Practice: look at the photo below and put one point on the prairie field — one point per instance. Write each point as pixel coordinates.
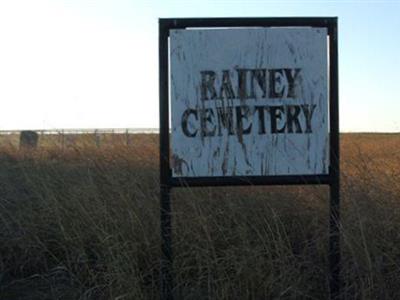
(80, 220)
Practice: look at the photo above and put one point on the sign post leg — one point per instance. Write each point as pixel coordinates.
(334, 242)
(166, 244)
(334, 214)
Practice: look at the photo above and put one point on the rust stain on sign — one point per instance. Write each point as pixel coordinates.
(249, 102)
(179, 165)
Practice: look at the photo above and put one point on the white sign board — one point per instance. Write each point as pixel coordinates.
(249, 102)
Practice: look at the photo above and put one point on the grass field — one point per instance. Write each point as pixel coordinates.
(82, 222)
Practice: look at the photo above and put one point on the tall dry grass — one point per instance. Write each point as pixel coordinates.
(82, 222)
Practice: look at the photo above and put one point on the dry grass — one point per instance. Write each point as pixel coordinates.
(83, 223)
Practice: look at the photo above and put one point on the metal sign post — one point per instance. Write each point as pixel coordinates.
(334, 171)
(248, 101)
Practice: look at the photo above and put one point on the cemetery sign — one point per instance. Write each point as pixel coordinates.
(248, 101)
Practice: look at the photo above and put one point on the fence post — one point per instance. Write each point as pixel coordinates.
(62, 138)
(97, 138)
(127, 137)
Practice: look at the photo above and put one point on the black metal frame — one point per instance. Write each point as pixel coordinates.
(167, 182)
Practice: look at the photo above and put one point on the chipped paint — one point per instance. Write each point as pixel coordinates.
(250, 101)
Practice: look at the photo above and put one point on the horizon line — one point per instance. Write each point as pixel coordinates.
(138, 130)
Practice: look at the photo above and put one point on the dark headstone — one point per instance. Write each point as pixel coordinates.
(28, 140)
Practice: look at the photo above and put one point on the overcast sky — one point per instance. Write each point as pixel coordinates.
(94, 64)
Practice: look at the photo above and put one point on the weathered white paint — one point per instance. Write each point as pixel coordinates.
(193, 51)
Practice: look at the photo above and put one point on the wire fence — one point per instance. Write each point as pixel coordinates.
(66, 138)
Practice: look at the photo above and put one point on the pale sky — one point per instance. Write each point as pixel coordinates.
(94, 64)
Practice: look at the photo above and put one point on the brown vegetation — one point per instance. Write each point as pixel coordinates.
(82, 222)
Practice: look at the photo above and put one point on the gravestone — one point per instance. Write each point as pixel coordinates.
(28, 140)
